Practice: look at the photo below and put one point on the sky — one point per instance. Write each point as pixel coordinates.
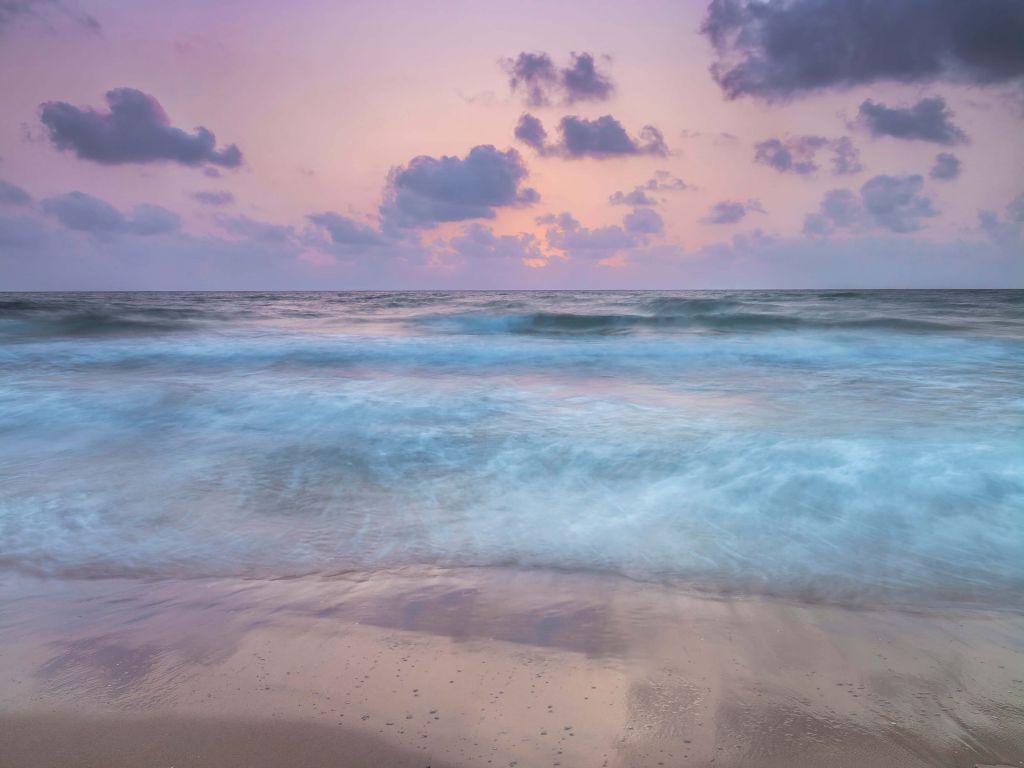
(318, 144)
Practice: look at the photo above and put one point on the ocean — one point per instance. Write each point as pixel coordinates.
(850, 446)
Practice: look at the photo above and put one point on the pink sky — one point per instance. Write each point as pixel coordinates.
(324, 99)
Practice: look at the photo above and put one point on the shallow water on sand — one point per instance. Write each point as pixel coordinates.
(853, 446)
(421, 666)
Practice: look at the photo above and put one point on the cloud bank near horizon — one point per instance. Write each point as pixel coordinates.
(785, 127)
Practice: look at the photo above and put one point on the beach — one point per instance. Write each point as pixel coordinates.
(473, 667)
(482, 384)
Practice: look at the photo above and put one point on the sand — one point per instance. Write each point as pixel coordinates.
(494, 667)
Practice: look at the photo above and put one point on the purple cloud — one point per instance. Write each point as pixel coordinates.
(582, 81)
(894, 203)
(11, 194)
(85, 213)
(14, 11)
(257, 231)
(662, 181)
(1006, 231)
(535, 76)
(795, 155)
(214, 198)
(731, 212)
(531, 132)
(845, 157)
(566, 234)
(603, 137)
(152, 220)
(477, 242)
(345, 232)
(430, 190)
(839, 208)
(775, 49)
(638, 197)
(798, 154)
(644, 221)
(135, 129)
(928, 120)
(946, 168)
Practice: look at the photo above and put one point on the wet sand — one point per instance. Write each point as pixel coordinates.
(493, 667)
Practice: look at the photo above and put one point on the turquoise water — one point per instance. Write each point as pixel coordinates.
(853, 446)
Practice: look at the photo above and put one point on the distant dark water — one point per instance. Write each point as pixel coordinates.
(852, 445)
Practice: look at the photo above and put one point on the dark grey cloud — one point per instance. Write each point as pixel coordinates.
(536, 77)
(928, 120)
(135, 129)
(776, 49)
(731, 211)
(11, 194)
(946, 168)
(894, 203)
(603, 137)
(661, 181)
(798, 154)
(214, 198)
(644, 221)
(430, 189)
(345, 232)
(86, 213)
(15, 11)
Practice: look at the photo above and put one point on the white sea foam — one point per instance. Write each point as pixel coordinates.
(858, 446)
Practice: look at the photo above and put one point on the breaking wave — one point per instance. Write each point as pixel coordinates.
(849, 445)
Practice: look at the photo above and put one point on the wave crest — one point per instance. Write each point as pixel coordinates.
(562, 323)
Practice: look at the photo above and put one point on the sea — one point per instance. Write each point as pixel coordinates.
(857, 447)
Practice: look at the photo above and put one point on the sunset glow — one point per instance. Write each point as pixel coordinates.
(325, 103)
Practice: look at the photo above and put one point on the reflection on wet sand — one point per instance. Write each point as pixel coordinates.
(493, 667)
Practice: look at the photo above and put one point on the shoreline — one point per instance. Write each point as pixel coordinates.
(459, 667)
